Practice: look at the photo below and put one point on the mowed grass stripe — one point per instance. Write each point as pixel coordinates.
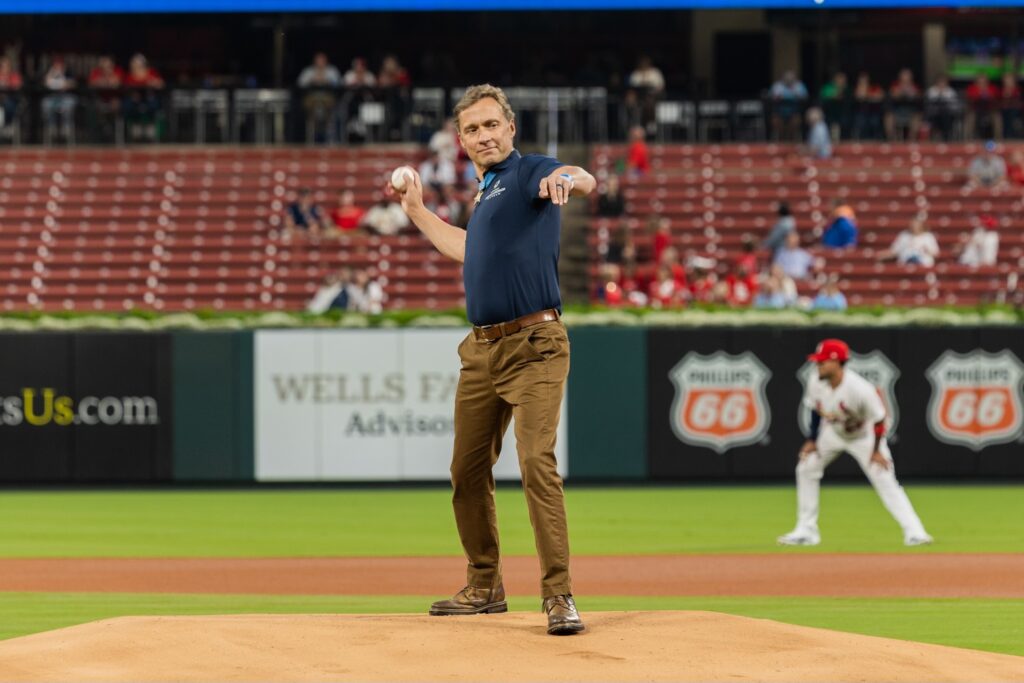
(418, 522)
(993, 625)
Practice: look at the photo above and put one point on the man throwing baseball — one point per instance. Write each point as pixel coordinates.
(516, 359)
(847, 416)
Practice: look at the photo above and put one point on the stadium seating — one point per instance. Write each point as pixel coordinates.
(714, 195)
(188, 229)
(198, 228)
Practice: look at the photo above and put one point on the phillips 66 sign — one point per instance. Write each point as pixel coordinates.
(976, 398)
(720, 400)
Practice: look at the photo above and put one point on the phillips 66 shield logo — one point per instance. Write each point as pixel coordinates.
(976, 398)
(720, 400)
(877, 369)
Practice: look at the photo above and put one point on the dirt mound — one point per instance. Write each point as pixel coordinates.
(618, 646)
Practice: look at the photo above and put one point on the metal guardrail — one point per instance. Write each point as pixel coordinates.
(546, 116)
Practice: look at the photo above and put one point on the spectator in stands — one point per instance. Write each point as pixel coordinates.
(304, 214)
(386, 217)
(106, 79)
(942, 104)
(665, 291)
(142, 104)
(394, 81)
(819, 140)
(610, 202)
(868, 99)
(842, 228)
(794, 261)
(445, 142)
(393, 74)
(913, 246)
(447, 206)
(319, 80)
(638, 156)
(983, 116)
(741, 286)
(784, 225)
(646, 86)
(359, 76)
(787, 286)
(346, 216)
(437, 172)
(662, 228)
(987, 170)
(60, 104)
(333, 293)
(10, 84)
(836, 106)
(829, 297)
(981, 246)
(609, 289)
(1015, 169)
(747, 259)
(788, 97)
(903, 120)
(365, 294)
(702, 279)
(1010, 105)
(771, 295)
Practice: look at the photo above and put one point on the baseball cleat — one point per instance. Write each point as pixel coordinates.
(918, 540)
(799, 538)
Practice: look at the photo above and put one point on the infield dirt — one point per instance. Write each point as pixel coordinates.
(618, 646)
(922, 575)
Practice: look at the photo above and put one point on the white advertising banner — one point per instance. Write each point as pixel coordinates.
(363, 405)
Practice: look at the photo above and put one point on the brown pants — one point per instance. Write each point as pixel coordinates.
(521, 375)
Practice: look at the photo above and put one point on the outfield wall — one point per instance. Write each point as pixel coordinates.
(672, 404)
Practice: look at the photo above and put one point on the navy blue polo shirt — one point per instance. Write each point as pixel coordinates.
(512, 243)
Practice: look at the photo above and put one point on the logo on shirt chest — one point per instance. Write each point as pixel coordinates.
(494, 191)
(877, 369)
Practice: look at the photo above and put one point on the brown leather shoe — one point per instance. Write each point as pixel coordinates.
(563, 618)
(472, 600)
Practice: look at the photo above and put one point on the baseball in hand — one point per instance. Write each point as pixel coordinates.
(400, 176)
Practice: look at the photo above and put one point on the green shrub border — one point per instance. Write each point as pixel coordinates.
(874, 316)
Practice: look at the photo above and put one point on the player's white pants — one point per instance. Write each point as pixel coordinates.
(829, 447)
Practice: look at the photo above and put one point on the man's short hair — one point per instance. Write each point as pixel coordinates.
(475, 93)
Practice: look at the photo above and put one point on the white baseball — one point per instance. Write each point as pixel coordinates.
(400, 176)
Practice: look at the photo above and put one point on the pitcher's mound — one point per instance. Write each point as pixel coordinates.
(618, 646)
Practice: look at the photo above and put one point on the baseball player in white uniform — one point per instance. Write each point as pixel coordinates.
(847, 416)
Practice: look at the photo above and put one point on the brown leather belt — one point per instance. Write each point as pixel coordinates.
(491, 333)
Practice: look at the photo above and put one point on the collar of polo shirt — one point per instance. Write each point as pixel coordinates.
(504, 163)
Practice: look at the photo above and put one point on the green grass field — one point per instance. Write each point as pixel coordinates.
(622, 521)
(366, 522)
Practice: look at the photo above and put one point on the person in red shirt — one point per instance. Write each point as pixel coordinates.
(903, 120)
(702, 279)
(1015, 169)
(662, 235)
(747, 260)
(638, 156)
(105, 80)
(346, 215)
(741, 286)
(867, 108)
(10, 83)
(142, 104)
(982, 98)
